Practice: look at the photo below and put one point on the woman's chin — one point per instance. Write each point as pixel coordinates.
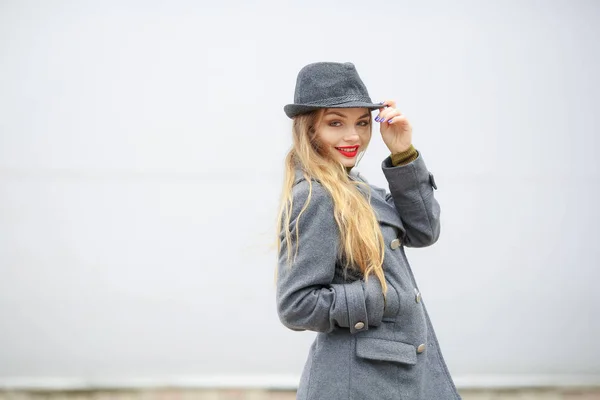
(348, 162)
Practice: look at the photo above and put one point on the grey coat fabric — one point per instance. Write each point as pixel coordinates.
(365, 349)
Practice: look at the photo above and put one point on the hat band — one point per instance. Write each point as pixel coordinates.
(332, 101)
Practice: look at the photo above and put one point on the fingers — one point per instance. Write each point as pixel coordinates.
(397, 119)
(388, 111)
(388, 114)
(387, 103)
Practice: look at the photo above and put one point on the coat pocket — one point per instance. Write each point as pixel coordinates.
(386, 350)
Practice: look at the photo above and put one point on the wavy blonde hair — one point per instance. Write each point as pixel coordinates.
(361, 242)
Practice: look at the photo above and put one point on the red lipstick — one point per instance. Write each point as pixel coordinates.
(348, 151)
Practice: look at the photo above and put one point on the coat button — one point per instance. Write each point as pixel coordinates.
(421, 348)
(417, 296)
(394, 244)
(359, 325)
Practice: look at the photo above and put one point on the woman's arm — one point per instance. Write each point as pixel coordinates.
(306, 297)
(411, 192)
(411, 185)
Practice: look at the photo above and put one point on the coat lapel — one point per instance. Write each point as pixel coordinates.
(386, 213)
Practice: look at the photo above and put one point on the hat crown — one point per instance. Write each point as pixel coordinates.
(328, 85)
(329, 81)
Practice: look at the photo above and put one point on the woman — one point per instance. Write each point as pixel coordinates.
(342, 270)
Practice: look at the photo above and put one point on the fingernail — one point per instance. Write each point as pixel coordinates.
(390, 120)
(383, 120)
(377, 118)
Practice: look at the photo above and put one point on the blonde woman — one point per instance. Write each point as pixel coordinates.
(342, 270)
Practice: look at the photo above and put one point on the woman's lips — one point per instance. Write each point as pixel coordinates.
(348, 151)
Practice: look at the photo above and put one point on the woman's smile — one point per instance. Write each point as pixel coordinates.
(348, 151)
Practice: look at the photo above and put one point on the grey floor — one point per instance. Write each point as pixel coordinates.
(546, 394)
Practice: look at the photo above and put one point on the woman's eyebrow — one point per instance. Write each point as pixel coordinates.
(336, 113)
(343, 116)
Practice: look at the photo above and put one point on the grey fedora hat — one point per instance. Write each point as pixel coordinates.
(328, 85)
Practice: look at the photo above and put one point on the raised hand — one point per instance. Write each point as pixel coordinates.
(395, 128)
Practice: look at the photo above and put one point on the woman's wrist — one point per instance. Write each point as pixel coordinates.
(404, 157)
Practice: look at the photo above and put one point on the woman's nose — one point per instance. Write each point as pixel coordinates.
(351, 135)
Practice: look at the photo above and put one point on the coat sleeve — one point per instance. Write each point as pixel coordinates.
(411, 192)
(306, 297)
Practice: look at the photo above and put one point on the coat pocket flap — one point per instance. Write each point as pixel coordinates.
(386, 350)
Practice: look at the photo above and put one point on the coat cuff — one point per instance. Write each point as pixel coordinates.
(364, 301)
(374, 300)
(408, 183)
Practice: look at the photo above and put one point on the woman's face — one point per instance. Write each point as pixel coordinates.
(345, 132)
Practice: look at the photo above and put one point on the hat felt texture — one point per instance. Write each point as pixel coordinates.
(328, 85)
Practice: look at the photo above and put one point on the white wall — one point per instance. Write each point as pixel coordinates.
(141, 149)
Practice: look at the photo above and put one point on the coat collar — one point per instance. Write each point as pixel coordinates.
(354, 175)
(386, 213)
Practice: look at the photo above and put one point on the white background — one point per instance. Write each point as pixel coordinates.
(141, 155)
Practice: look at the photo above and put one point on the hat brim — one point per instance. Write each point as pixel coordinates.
(291, 110)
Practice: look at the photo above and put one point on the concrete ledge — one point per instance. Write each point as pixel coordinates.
(277, 382)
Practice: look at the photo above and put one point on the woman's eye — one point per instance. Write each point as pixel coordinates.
(338, 123)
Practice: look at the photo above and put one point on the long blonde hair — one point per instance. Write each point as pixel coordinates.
(361, 242)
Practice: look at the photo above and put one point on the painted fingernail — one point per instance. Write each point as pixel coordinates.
(390, 120)
(383, 120)
(377, 118)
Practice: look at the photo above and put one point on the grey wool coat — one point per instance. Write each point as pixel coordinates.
(365, 349)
